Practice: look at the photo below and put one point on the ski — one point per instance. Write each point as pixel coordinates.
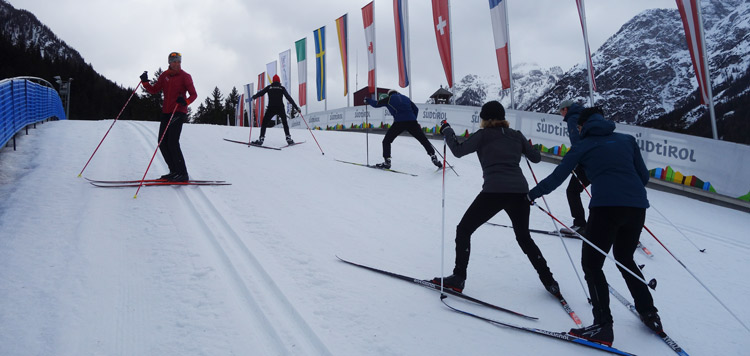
(553, 334)
(430, 285)
(374, 167)
(292, 144)
(151, 184)
(570, 311)
(147, 181)
(254, 145)
(645, 250)
(668, 340)
(546, 232)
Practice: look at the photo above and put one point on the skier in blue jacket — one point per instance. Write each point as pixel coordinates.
(404, 114)
(617, 211)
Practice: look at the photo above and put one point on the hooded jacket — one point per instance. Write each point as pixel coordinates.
(499, 150)
(612, 161)
(400, 107)
(571, 118)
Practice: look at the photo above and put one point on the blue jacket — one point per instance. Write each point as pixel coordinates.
(612, 162)
(574, 112)
(399, 105)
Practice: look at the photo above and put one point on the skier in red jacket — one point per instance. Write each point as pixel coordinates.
(174, 83)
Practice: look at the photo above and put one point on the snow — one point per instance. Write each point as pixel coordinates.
(250, 268)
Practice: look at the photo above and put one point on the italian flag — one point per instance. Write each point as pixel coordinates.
(301, 46)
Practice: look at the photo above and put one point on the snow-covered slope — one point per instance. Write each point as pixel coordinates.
(250, 269)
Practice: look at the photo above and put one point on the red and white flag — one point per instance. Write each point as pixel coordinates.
(693, 32)
(441, 22)
(498, 13)
(582, 16)
(368, 18)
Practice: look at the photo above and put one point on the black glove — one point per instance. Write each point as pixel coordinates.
(144, 76)
(297, 109)
(444, 125)
(528, 199)
(181, 101)
(364, 100)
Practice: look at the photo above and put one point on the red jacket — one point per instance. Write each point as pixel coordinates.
(173, 86)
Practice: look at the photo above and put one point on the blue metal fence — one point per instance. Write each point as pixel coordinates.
(24, 101)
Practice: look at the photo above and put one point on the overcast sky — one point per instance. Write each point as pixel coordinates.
(227, 43)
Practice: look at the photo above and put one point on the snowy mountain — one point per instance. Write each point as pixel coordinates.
(23, 29)
(529, 79)
(645, 71)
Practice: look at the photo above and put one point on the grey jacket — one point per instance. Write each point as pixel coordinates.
(499, 150)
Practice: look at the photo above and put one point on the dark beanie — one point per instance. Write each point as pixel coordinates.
(587, 113)
(492, 110)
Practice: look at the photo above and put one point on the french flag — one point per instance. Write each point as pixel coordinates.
(498, 13)
(368, 20)
(401, 20)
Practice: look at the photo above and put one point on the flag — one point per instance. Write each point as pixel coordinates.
(582, 16)
(248, 104)
(498, 14)
(401, 20)
(343, 32)
(285, 67)
(441, 22)
(270, 71)
(689, 12)
(239, 110)
(301, 47)
(320, 61)
(368, 19)
(260, 108)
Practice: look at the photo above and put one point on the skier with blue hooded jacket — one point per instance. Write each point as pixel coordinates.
(617, 211)
(404, 114)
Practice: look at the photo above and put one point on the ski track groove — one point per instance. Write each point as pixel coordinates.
(279, 321)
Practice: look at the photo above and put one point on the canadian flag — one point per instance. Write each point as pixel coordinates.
(368, 19)
(441, 22)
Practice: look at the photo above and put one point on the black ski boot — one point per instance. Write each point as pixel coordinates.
(259, 141)
(436, 162)
(554, 289)
(167, 176)
(652, 320)
(385, 165)
(289, 140)
(453, 282)
(599, 333)
(179, 177)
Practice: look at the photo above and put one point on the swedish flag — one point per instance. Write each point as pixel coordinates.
(320, 61)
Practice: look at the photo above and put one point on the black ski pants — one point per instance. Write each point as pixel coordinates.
(484, 207)
(574, 190)
(617, 228)
(413, 128)
(170, 143)
(270, 112)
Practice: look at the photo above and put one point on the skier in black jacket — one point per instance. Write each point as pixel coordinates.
(499, 149)
(276, 93)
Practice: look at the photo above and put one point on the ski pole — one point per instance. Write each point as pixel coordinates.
(156, 150)
(252, 122)
(644, 226)
(443, 157)
(651, 284)
(562, 241)
(110, 128)
(313, 136)
(442, 249)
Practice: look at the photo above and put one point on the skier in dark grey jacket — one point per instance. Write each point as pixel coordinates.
(505, 188)
(276, 93)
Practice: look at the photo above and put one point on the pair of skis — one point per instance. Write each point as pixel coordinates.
(266, 147)
(376, 167)
(557, 335)
(150, 182)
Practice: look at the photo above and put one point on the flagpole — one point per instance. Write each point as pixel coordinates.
(374, 54)
(348, 90)
(408, 46)
(709, 91)
(510, 65)
(589, 63)
(325, 72)
(450, 34)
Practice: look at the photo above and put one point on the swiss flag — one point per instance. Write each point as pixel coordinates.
(441, 22)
